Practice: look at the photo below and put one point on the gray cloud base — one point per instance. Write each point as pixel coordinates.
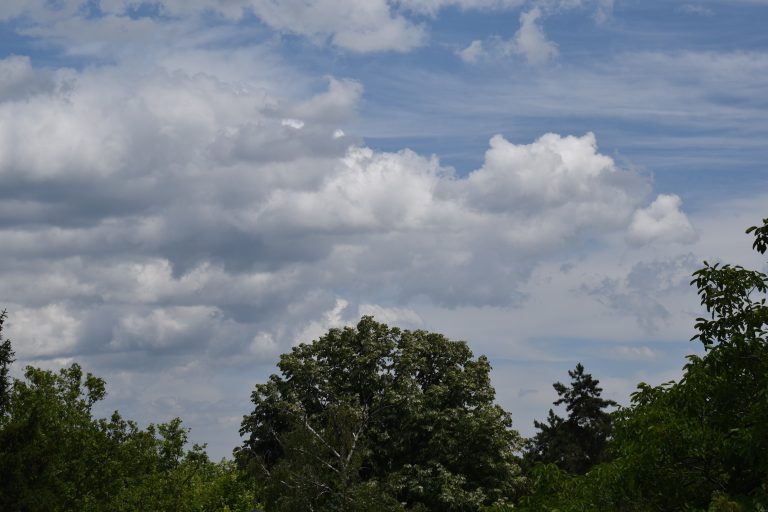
(171, 223)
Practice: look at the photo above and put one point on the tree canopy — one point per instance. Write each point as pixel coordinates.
(372, 416)
(55, 456)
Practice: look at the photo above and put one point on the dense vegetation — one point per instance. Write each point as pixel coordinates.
(55, 456)
(371, 418)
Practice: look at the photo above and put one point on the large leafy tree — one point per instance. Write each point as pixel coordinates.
(375, 418)
(577, 442)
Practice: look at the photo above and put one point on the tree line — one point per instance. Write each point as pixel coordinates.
(375, 418)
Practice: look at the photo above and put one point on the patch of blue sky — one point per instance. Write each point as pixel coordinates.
(703, 26)
(43, 54)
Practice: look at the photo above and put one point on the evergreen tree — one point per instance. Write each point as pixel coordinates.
(577, 443)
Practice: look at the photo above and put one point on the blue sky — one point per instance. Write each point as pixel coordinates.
(191, 187)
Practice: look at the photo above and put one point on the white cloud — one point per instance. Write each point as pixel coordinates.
(352, 25)
(530, 40)
(175, 190)
(405, 318)
(163, 328)
(48, 331)
(333, 318)
(634, 353)
(661, 221)
(472, 53)
(173, 219)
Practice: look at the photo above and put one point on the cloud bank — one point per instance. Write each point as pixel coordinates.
(174, 213)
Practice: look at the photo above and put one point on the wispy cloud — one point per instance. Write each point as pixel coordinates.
(696, 9)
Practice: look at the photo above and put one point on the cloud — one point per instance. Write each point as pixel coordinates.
(364, 27)
(168, 218)
(431, 7)
(18, 80)
(634, 353)
(647, 292)
(530, 40)
(189, 200)
(696, 9)
(354, 26)
(332, 318)
(405, 318)
(472, 53)
(603, 11)
(662, 221)
(49, 331)
(358, 27)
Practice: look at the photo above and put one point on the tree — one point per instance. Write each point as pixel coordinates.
(6, 359)
(373, 414)
(54, 455)
(579, 442)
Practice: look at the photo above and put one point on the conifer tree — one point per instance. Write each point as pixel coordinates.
(577, 443)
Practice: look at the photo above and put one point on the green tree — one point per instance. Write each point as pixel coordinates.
(579, 442)
(55, 456)
(6, 359)
(373, 414)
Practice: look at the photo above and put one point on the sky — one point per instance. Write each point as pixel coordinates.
(188, 188)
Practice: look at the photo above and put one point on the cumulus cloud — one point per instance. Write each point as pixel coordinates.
(662, 221)
(190, 200)
(159, 217)
(49, 331)
(530, 40)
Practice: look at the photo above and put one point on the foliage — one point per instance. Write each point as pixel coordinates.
(378, 418)
(54, 455)
(577, 443)
(6, 359)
